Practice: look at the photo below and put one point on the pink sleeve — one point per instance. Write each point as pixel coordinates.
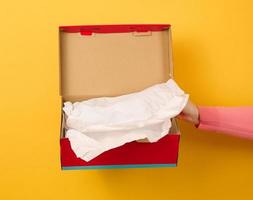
(237, 121)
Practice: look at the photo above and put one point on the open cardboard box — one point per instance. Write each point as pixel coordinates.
(112, 60)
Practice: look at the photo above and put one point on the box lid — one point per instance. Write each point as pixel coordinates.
(123, 28)
(109, 60)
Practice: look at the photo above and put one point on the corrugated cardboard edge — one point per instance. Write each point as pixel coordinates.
(171, 66)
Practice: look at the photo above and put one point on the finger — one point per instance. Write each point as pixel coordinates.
(185, 118)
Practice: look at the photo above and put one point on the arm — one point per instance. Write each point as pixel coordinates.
(237, 121)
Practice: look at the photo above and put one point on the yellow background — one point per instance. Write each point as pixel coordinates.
(212, 42)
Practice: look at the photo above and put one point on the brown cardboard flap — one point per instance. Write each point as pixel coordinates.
(110, 64)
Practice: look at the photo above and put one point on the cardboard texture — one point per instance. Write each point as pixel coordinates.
(112, 60)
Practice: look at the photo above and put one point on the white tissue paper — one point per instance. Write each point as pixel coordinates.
(97, 125)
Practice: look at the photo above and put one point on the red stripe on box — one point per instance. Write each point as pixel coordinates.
(165, 151)
(119, 28)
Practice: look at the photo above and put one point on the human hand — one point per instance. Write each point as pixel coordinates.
(190, 113)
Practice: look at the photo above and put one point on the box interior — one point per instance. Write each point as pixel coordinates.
(112, 64)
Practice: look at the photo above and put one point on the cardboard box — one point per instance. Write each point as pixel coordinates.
(112, 60)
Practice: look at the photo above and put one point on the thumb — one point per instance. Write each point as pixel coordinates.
(185, 117)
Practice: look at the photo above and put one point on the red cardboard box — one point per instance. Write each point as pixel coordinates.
(112, 60)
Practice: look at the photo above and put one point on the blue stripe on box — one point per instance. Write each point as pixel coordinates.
(118, 166)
